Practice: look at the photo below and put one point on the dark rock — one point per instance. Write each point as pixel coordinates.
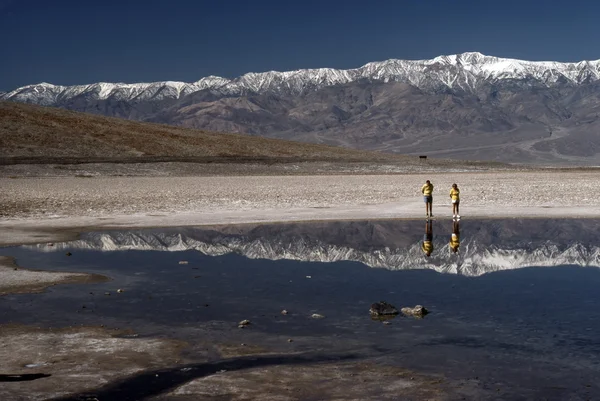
(383, 309)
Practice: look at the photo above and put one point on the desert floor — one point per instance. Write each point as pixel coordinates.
(56, 208)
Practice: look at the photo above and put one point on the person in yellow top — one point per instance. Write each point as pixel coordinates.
(455, 196)
(427, 190)
(427, 245)
(455, 238)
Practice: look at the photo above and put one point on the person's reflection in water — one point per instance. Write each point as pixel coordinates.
(455, 238)
(427, 245)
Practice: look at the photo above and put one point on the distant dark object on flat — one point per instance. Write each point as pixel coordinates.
(422, 157)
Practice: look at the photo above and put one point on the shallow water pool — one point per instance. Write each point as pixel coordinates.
(516, 308)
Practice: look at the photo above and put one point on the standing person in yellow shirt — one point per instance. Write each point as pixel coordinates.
(427, 190)
(455, 196)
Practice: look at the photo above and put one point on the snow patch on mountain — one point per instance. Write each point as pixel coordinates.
(466, 71)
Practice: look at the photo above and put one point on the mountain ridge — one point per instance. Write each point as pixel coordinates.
(464, 106)
(469, 66)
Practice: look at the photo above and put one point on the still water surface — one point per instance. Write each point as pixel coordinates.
(517, 306)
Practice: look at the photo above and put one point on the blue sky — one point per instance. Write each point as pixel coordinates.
(76, 42)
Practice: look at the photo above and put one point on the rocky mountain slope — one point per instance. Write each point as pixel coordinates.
(468, 106)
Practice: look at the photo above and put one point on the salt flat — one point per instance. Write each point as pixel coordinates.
(52, 208)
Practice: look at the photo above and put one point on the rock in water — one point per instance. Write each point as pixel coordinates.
(243, 324)
(418, 311)
(383, 309)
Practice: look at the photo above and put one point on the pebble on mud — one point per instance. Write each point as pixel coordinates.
(120, 290)
(317, 316)
(284, 312)
(183, 262)
(244, 323)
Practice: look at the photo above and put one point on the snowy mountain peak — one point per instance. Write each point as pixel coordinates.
(464, 71)
(212, 81)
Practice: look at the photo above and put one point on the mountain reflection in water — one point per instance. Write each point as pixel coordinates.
(469, 248)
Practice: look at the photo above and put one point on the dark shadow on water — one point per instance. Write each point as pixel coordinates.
(23, 378)
(156, 382)
(474, 342)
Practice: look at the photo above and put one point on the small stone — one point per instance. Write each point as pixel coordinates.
(284, 312)
(290, 340)
(244, 322)
(317, 316)
(68, 254)
(382, 308)
(386, 322)
(418, 311)
(183, 262)
(119, 290)
(107, 293)
(308, 276)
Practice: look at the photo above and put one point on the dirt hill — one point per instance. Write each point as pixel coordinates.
(38, 134)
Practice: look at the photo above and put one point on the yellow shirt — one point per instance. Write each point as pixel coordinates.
(455, 194)
(427, 189)
(427, 246)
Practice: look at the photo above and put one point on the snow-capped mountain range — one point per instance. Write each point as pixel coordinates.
(477, 256)
(464, 106)
(466, 71)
